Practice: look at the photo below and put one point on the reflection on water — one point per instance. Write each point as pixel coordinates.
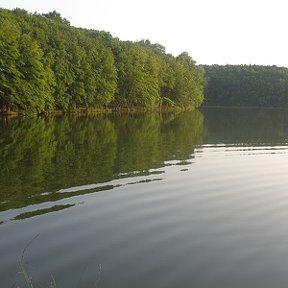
(42, 159)
(26, 215)
(242, 126)
(187, 200)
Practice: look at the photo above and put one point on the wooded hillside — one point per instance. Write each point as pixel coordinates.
(45, 64)
(246, 85)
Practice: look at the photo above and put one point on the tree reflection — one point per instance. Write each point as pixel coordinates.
(245, 126)
(39, 156)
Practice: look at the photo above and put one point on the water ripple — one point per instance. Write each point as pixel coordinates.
(222, 221)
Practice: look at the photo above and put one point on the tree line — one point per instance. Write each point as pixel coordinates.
(46, 65)
(246, 85)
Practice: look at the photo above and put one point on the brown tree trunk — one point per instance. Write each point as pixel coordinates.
(8, 109)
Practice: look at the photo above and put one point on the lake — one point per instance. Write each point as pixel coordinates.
(192, 199)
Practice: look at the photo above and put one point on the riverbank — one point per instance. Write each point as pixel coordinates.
(104, 110)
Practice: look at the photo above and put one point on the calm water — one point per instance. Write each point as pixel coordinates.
(180, 200)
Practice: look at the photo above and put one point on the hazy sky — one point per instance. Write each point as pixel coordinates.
(212, 31)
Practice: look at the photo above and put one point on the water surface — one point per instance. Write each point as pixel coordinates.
(195, 199)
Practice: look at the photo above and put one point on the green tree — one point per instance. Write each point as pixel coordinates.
(46, 64)
(34, 94)
(246, 85)
(138, 82)
(55, 16)
(9, 55)
(189, 84)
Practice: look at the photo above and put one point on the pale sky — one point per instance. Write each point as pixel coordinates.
(212, 31)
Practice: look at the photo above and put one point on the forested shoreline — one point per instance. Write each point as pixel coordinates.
(246, 85)
(48, 65)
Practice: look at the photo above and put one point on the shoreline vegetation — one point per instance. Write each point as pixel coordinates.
(246, 86)
(47, 66)
(102, 110)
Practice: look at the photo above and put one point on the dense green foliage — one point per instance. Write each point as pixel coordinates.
(246, 85)
(45, 64)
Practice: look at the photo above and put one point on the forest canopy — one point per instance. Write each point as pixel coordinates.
(46, 65)
(246, 85)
